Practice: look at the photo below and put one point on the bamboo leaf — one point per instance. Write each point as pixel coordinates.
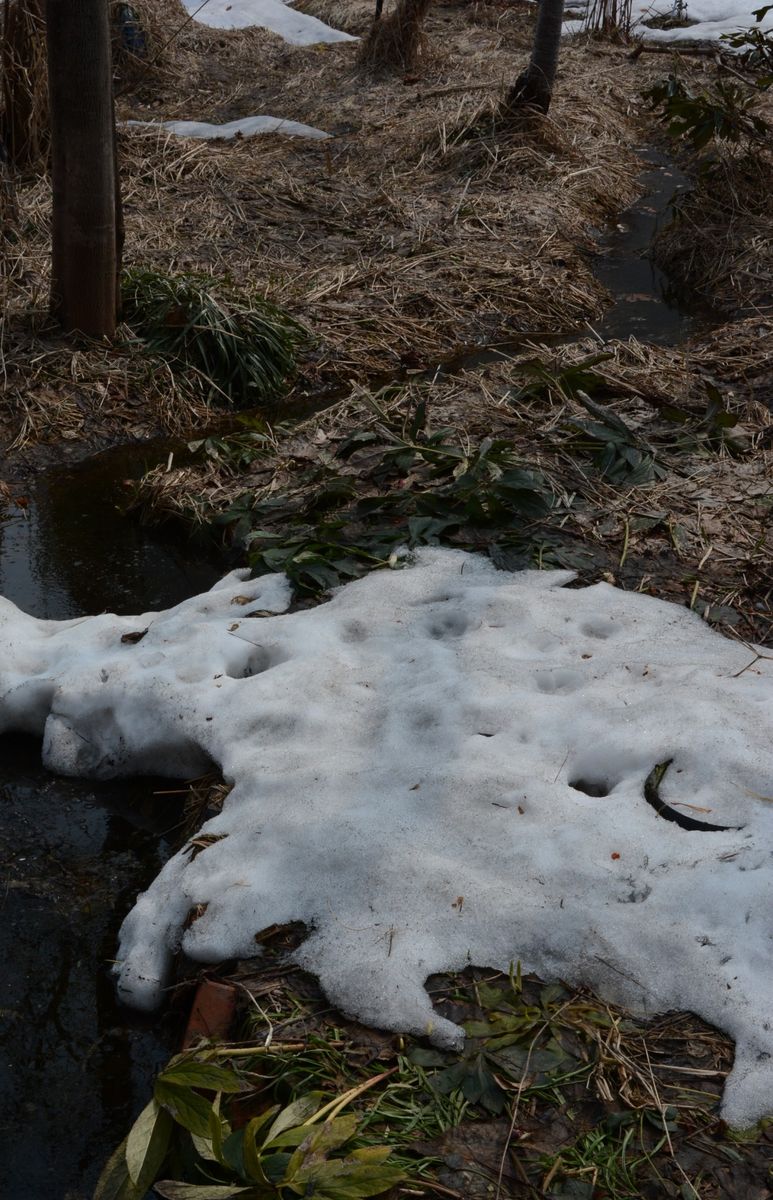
(114, 1183)
(185, 1106)
(195, 1074)
(147, 1144)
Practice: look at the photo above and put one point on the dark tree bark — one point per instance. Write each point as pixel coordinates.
(83, 171)
(534, 88)
(395, 42)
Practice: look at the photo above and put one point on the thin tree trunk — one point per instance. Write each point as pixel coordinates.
(534, 88)
(83, 171)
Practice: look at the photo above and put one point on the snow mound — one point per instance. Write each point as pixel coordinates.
(295, 27)
(711, 19)
(244, 127)
(442, 765)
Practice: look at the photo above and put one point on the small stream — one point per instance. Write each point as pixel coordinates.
(75, 1066)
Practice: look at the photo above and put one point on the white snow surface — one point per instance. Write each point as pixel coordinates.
(415, 740)
(712, 18)
(295, 27)
(244, 127)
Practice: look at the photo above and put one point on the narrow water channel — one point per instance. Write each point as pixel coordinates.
(74, 1066)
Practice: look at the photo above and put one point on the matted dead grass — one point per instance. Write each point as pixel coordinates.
(420, 227)
(699, 533)
(721, 241)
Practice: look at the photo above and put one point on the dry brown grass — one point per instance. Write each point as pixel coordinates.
(701, 534)
(420, 228)
(396, 42)
(23, 82)
(417, 229)
(721, 244)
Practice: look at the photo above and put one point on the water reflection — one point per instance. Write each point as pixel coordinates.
(71, 550)
(74, 1066)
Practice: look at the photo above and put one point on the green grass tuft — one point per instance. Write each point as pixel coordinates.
(242, 350)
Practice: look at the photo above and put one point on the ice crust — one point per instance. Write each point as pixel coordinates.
(300, 29)
(415, 740)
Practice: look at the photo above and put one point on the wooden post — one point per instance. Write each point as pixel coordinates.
(83, 172)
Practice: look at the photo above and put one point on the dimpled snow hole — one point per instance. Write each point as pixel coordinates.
(598, 628)
(258, 660)
(558, 681)
(447, 625)
(592, 787)
(437, 598)
(353, 632)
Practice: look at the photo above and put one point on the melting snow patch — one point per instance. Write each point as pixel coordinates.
(297, 28)
(709, 19)
(436, 732)
(245, 127)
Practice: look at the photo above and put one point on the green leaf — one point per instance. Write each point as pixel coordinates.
(250, 1155)
(204, 1148)
(275, 1167)
(218, 1130)
(290, 1137)
(347, 1180)
(232, 1154)
(295, 1114)
(114, 1183)
(195, 1074)
(147, 1144)
(473, 1078)
(172, 1189)
(186, 1107)
(321, 1141)
(422, 1057)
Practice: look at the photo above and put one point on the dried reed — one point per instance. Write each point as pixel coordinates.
(24, 115)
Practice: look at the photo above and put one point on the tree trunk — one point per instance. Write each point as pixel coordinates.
(83, 171)
(534, 88)
(395, 42)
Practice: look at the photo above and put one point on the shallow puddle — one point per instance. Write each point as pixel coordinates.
(75, 1066)
(73, 550)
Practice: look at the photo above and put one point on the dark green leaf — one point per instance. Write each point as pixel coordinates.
(193, 1074)
(147, 1144)
(185, 1106)
(171, 1189)
(114, 1183)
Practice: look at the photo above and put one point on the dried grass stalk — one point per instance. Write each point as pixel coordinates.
(397, 42)
(24, 117)
(609, 19)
